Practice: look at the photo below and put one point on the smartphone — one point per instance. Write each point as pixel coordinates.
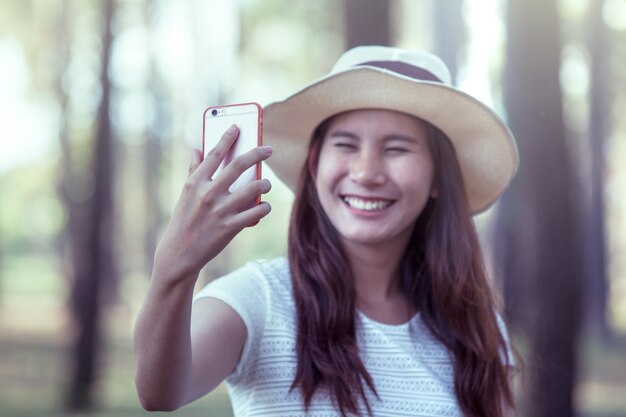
(248, 118)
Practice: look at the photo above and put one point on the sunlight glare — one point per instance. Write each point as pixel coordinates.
(614, 13)
(486, 33)
(27, 126)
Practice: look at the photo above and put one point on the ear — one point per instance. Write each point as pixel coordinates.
(313, 157)
(434, 191)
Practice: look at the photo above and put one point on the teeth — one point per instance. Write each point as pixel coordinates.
(359, 204)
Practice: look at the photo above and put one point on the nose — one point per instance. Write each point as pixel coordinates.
(367, 168)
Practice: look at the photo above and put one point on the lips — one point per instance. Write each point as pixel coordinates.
(366, 204)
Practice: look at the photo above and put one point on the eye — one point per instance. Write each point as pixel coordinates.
(345, 146)
(396, 150)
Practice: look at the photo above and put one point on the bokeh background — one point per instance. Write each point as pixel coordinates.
(102, 101)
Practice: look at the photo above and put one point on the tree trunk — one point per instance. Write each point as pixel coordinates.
(595, 242)
(93, 244)
(553, 279)
(366, 22)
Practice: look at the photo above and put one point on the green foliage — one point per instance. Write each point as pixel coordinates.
(34, 370)
(290, 43)
(33, 276)
(31, 215)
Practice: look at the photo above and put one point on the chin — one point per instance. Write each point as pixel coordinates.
(365, 239)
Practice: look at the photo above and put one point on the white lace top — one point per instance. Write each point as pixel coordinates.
(411, 370)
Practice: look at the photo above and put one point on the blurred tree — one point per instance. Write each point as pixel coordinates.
(93, 258)
(449, 33)
(595, 242)
(539, 215)
(366, 22)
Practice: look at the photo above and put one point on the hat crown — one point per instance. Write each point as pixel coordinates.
(418, 84)
(407, 63)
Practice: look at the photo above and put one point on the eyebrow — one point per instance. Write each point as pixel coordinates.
(343, 133)
(387, 138)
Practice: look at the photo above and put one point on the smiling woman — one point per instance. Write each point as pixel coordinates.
(374, 176)
(383, 306)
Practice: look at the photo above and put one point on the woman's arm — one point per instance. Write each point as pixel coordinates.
(181, 356)
(184, 351)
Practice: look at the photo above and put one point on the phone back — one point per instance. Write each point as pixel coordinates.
(247, 116)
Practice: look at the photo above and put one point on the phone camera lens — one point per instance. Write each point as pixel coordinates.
(214, 112)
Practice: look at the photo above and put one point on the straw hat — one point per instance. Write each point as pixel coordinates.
(378, 77)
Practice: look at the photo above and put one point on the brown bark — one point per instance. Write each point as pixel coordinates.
(93, 244)
(366, 22)
(546, 225)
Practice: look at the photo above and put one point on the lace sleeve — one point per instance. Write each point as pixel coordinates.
(245, 291)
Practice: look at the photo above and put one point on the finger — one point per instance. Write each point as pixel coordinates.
(196, 160)
(215, 156)
(240, 164)
(247, 195)
(251, 216)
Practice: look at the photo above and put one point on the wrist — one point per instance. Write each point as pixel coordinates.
(170, 267)
(169, 277)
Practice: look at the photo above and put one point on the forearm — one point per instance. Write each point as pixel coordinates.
(205, 219)
(163, 345)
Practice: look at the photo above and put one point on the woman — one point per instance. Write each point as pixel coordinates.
(382, 306)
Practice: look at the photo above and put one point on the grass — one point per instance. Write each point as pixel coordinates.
(35, 367)
(35, 335)
(601, 391)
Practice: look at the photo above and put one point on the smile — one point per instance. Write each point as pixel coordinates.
(366, 205)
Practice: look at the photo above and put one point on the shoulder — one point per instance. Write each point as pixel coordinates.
(253, 277)
(255, 292)
(275, 268)
(276, 273)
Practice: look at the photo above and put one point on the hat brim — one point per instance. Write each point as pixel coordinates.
(484, 146)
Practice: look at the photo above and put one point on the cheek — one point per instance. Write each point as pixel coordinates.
(325, 192)
(415, 181)
(328, 169)
(324, 183)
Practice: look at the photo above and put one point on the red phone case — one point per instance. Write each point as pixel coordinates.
(249, 118)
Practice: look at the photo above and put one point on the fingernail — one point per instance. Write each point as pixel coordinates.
(267, 149)
(232, 129)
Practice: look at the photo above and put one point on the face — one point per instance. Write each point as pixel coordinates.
(375, 175)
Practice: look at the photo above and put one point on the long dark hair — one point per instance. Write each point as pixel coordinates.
(442, 274)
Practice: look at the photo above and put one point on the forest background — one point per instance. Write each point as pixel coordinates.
(102, 101)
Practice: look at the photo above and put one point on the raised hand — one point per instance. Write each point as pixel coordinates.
(207, 216)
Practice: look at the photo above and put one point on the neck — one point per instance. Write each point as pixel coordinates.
(374, 270)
